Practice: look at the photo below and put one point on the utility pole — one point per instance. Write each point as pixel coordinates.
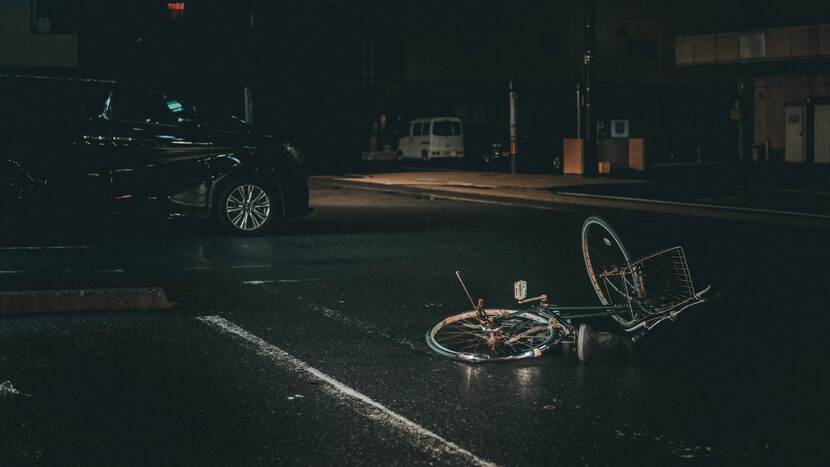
(578, 111)
(514, 130)
(589, 144)
(253, 57)
(740, 116)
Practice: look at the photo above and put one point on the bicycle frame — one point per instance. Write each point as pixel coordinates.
(638, 294)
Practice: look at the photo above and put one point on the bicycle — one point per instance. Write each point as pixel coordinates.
(638, 294)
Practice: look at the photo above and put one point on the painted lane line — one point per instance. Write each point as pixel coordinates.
(57, 247)
(420, 437)
(11, 272)
(7, 388)
(364, 326)
(695, 205)
(279, 281)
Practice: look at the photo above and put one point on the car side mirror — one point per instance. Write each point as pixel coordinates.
(520, 290)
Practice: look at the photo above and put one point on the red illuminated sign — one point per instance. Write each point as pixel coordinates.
(175, 10)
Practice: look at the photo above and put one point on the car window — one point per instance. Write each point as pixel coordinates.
(176, 110)
(135, 106)
(447, 128)
(218, 117)
(151, 107)
(416, 129)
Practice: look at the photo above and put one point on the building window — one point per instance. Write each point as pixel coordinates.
(644, 49)
(54, 17)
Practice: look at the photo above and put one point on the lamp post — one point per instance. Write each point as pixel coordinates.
(589, 148)
(248, 91)
(514, 129)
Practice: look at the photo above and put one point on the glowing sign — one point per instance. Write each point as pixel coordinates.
(175, 10)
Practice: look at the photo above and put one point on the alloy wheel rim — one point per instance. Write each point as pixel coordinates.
(248, 207)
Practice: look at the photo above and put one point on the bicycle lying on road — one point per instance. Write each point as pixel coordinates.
(638, 294)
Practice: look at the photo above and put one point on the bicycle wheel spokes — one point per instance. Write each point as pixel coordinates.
(468, 338)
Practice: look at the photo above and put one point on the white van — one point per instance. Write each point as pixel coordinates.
(432, 138)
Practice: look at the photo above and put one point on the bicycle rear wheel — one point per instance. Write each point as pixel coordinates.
(509, 336)
(605, 257)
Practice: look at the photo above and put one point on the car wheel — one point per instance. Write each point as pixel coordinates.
(399, 155)
(425, 156)
(248, 207)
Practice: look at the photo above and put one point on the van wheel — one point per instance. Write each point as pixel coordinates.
(399, 155)
(425, 156)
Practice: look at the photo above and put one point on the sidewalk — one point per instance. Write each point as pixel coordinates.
(722, 201)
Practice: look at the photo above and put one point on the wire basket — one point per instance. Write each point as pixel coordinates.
(658, 284)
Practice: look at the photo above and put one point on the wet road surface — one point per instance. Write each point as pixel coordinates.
(307, 347)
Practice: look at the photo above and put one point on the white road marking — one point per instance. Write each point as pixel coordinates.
(422, 438)
(7, 388)
(11, 272)
(696, 205)
(279, 281)
(363, 326)
(56, 247)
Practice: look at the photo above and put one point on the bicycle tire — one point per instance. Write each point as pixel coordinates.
(520, 335)
(603, 251)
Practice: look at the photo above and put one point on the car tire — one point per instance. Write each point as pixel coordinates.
(248, 207)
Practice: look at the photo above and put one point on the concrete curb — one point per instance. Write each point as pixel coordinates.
(44, 301)
(556, 200)
(699, 205)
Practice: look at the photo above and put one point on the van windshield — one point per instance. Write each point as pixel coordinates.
(446, 128)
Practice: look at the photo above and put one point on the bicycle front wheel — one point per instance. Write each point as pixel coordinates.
(605, 257)
(505, 335)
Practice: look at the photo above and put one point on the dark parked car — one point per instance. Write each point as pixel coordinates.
(134, 151)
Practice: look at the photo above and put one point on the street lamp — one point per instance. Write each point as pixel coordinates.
(589, 152)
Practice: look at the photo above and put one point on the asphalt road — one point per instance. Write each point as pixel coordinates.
(307, 346)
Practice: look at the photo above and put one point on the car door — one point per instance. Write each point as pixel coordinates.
(447, 139)
(226, 131)
(414, 149)
(159, 144)
(405, 143)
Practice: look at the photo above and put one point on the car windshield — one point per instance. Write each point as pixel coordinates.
(446, 128)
